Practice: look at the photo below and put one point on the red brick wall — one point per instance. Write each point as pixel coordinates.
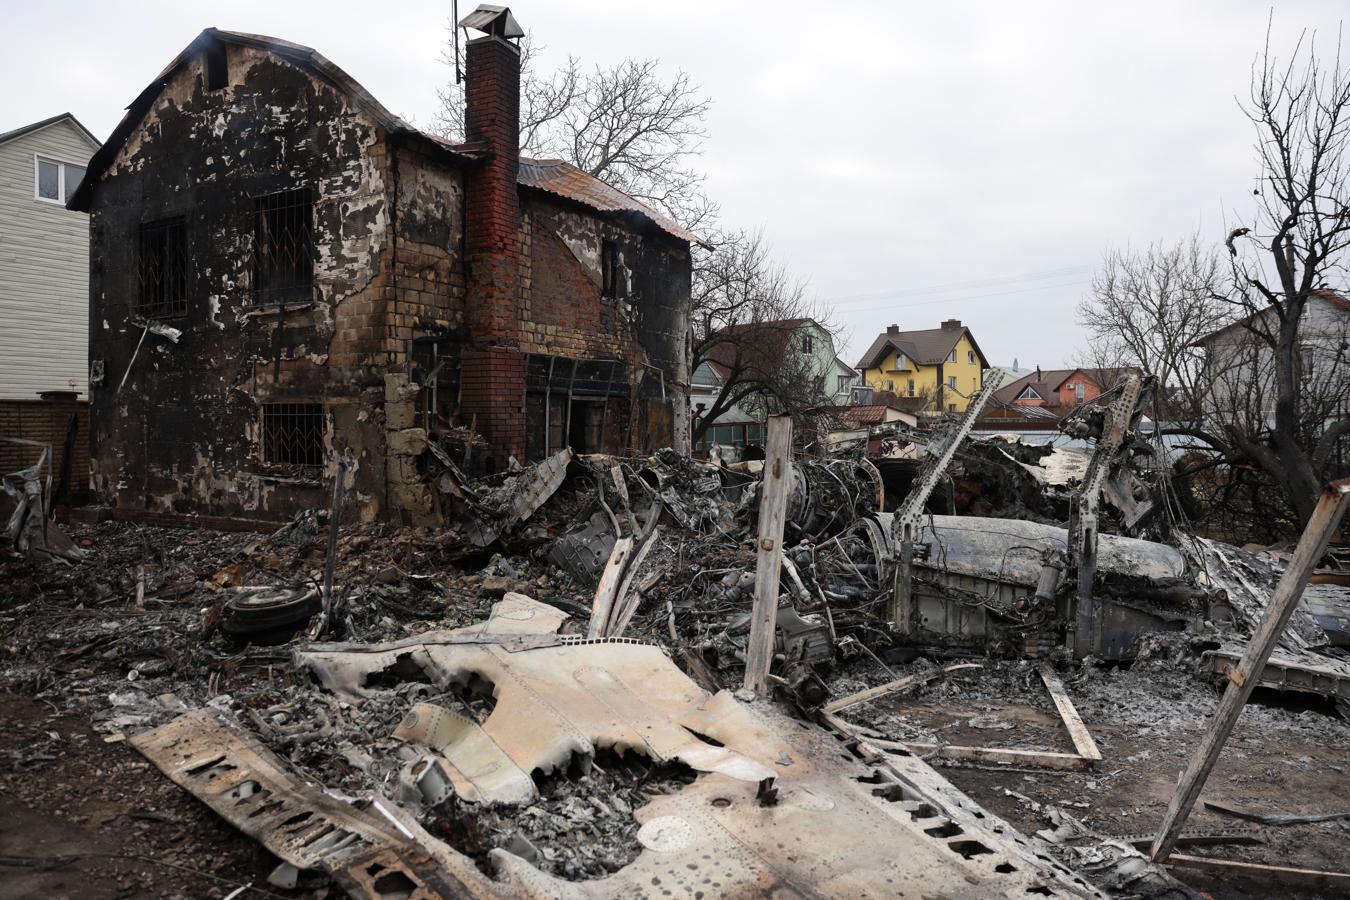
(1069, 397)
(492, 117)
(46, 421)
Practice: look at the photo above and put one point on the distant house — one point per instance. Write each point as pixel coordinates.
(943, 366)
(763, 352)
(44, 301)
(1054, 390)
(1241, 368)
(44, 259)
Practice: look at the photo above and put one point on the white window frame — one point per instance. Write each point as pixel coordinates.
(951, 382)
(951, 357)
(60, 178)
(1029, 393)
(970, 357)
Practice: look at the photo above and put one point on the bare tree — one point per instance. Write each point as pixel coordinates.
(624, 124)
(1294, 247)
(1146, 311)
(747, 311)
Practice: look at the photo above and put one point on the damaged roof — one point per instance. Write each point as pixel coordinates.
(562, 179)
(304, 57)
(552, 176)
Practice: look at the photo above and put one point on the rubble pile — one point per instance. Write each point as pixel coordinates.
(449, 676)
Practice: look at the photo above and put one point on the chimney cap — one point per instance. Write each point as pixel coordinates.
(494, 20)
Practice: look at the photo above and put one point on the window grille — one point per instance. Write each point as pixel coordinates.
(283, 248)
(163, 269)
(293, 434)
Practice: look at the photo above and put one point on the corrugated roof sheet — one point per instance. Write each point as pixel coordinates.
(562, 179)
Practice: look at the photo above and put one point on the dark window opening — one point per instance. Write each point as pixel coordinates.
(283, 249)
(577, 403)
(293, 434)
(808, 345)
(217, 71)
(434, 367)
(611, 273)
(163, 269)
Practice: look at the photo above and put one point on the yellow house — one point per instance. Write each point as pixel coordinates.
(942, 368)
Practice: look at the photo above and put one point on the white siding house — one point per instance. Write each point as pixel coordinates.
(44, 260)
(1241, 365)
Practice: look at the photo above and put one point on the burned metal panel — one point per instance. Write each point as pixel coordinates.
(830, 824)
(183, 433)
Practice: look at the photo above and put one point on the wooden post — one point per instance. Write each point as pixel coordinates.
(1245, 677)
(769, 553)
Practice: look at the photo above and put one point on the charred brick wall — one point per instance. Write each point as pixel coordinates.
(642, 320)
(414, 252)
(184, 433)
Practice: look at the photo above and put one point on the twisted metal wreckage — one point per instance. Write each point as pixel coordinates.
(778, 803)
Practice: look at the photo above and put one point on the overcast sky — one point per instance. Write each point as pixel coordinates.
(914, 162)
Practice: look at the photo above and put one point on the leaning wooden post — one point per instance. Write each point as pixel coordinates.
(773, 494)
(1244, 677)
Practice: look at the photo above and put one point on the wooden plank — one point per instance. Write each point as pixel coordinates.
(1082, 738)
(769, 553)
(608, 587)
(1315, 878)
(1002, 756)
(1311, 546)
(891, 687)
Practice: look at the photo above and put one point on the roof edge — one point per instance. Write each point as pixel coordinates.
(23, 130)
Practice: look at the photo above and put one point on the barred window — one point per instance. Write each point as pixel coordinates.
(293, 434)
(163, 269)
(283, 248)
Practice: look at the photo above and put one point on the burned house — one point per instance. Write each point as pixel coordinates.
(287, 277)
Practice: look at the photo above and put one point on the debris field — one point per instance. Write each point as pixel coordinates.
(548, 697)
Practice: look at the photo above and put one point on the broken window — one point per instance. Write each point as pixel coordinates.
(283, 248)
(293, 434)
(577, 403)
(162, 262)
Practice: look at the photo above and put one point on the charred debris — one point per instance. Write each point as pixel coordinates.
(543, 698)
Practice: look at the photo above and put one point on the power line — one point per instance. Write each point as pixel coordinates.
(970, 297)
(964, 285)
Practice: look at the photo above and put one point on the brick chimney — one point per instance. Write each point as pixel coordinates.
(892, 329)
(492, 369)
(951, 325)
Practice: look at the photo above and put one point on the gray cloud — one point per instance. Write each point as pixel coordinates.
(886, 148)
